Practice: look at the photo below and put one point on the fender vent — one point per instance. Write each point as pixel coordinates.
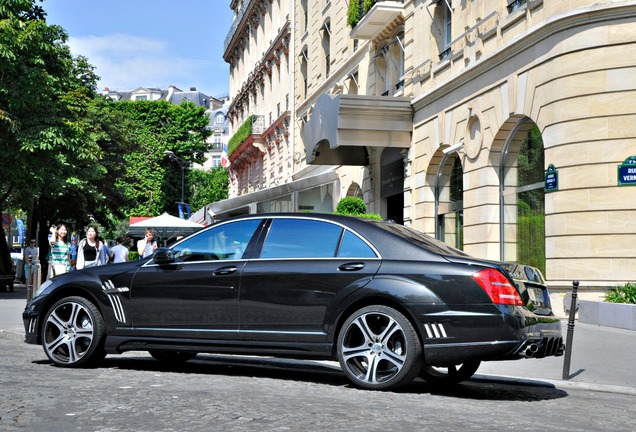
(435, 331)
(112, 293)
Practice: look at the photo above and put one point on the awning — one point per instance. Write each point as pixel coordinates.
(342, 127)
(240, 204)
(166, 227)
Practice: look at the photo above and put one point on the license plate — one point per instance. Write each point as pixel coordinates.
(536, 295)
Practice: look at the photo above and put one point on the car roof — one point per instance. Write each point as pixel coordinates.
(389, 242)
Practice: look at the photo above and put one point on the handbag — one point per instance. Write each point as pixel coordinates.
(57, 269)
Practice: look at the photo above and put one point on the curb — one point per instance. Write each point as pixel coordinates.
(560, 384)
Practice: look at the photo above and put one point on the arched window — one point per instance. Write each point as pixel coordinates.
(449, 201)
(523, 198)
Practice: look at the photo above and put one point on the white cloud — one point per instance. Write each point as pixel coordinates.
(125, 62)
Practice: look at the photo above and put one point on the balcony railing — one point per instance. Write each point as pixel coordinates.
(235, 25)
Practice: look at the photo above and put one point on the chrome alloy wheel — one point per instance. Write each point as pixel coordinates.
(72, 333)
(379, 349)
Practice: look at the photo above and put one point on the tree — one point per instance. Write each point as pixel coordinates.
(37, 72)
(208, 186)
(152, 183)
(61, 141)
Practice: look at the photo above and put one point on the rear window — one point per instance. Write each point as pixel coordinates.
(421, 239)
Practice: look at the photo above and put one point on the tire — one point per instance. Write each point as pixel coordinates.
(73, 333)
(379, 349)
(449, 375)
(172, 357)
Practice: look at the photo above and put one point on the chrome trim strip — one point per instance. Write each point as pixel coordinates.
(469, 344)
(228, 331)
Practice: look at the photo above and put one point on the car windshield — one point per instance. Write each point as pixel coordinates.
(420, 239)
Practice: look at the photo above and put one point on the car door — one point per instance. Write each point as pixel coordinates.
(196, 296)
(304, 268)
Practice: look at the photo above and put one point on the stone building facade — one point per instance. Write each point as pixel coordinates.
(498, 126)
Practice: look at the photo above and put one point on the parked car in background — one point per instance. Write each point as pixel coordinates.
(16, 257)
(7, 277)
(388, 302)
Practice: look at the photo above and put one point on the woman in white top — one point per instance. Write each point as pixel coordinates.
(90, 251)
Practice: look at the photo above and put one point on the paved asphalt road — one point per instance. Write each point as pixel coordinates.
(602, 358)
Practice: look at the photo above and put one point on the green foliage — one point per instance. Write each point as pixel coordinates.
(357, 9)
(55, 135)
(241, 134)
(370, 216)
(531, 248)
(152, 182)
(622, 294)
(208, 186)
(530, 204)
(353, 13)
(354, 206)
(351, 206)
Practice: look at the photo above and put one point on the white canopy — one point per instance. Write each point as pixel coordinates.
(165, 226)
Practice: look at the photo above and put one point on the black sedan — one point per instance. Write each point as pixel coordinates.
(388, 302)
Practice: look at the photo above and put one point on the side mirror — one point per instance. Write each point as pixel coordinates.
(163, 256)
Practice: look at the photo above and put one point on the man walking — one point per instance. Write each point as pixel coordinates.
(120, 252)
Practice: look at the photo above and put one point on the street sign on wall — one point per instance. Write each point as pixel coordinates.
(627, 172)
(551, 179)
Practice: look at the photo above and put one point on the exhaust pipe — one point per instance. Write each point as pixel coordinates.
(531, 350)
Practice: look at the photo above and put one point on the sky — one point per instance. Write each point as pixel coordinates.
(149, 43)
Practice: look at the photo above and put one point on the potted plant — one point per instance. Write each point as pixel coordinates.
(618, 309)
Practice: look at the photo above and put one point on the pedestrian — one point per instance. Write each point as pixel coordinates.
(73, 252)
(90, 250)
(147, 245)
(29, 257)
(107, 247)
(120, 252)
(60, 256)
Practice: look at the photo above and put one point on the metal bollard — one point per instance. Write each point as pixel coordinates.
(570, 335)
(33, 282)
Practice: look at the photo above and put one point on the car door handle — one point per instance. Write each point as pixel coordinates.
(351, 266)
(224, 270)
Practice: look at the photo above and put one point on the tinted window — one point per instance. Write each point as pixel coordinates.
(354, 246)
(299, 238)
(226, 241)
(421, 239)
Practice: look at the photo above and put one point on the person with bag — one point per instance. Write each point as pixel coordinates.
(60, 253)
(91, 252)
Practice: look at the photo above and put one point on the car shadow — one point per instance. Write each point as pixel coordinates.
(329, 373)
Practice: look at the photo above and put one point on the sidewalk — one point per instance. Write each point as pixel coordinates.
(602, 358)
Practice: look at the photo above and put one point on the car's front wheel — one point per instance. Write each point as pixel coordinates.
(378, 348)
(73, 333)
(453, 374)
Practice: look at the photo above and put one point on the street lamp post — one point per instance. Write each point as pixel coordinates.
(183, 164)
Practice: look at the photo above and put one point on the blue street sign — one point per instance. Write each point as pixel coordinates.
(627, 172)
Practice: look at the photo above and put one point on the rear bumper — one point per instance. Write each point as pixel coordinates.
(495, 333)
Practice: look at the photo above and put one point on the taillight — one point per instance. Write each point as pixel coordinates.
(498, 287)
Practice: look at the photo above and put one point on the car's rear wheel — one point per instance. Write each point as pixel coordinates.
(443, 375)
(73, 333)
(172, 357)
(378, 348)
